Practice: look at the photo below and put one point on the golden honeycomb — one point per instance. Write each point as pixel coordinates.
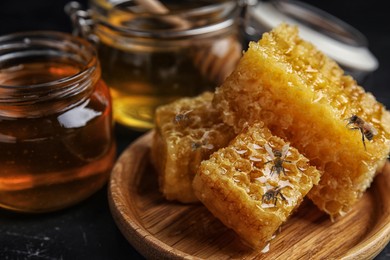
(187, 132)
(240, 184)
(304, 97)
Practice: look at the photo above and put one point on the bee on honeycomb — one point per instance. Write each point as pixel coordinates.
(365, 128)
(272, 195)
(278, 158)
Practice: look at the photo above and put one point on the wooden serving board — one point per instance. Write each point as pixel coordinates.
(161, 229)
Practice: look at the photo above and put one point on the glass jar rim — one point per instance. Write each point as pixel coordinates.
(42, 38)
(224, 16)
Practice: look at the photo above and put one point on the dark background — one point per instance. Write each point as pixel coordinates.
(87, 230)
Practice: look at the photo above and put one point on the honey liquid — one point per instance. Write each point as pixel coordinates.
(142, 81)
(59, 158)
(144, 74)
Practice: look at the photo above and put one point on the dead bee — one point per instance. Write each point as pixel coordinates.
(205, 145)
(272, 195)
(366, 129)
(196, 145)
(278, 158)
(202, 143)
(182, 117)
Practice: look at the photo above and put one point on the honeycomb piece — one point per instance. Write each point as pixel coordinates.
(304, 97)
(187, 132)
(248, 190)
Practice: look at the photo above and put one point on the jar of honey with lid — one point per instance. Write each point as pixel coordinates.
(155, 51)
(56, 132)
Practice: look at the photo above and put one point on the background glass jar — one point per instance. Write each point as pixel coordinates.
(56, 138)
(152, 55)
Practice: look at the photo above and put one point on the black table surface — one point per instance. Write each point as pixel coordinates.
(87, 230)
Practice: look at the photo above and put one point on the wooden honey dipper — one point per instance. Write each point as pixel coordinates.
(215, 62)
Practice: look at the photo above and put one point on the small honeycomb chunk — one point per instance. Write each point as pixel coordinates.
(254, 184)
(187, 132)
(304, 97)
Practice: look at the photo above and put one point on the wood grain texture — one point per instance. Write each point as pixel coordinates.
(160, 229)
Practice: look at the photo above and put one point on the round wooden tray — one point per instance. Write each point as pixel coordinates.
(161, 229)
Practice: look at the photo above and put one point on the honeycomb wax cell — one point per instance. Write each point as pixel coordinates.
(254, 184)
(187, 132)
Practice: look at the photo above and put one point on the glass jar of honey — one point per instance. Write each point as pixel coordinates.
(56, 132)
(154, 51)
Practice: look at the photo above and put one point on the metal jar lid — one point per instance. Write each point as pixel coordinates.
(340, 41)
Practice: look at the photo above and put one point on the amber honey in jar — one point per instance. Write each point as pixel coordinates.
(151, 56)
(56, 137)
